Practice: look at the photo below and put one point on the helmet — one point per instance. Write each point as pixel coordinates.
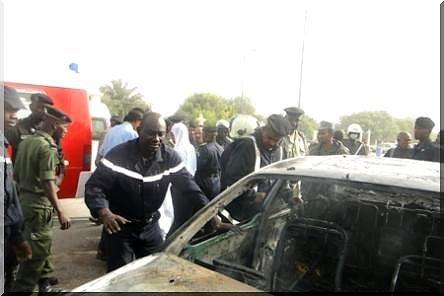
(355, 128)
(243, 125)
(223, 123)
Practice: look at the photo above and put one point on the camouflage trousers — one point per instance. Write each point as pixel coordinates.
(38, 232)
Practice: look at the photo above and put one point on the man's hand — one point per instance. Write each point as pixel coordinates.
(22, 251)
(111, 221)
(64, 220)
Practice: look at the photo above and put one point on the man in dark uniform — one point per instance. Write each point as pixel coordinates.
(16, 248)
(128, 187)
(223, 130)
(403, 149)
(247, 154)
(207, 174)
(294, 144)
(424, 150)
(35, 173)
(29, 125)
(327, 145)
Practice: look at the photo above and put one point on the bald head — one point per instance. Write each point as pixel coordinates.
(153, 130)
(404, 139)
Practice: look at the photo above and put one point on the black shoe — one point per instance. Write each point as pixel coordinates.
(46, 285)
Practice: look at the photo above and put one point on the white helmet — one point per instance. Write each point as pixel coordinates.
(223, 123)
(243, 125)
(355, 129)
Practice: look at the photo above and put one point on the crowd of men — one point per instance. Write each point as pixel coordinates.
(142, 162)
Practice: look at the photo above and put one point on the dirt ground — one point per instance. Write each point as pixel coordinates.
(74, 252)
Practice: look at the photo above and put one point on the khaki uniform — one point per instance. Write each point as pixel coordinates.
(337, 149)
(36, 161)
(294, 145)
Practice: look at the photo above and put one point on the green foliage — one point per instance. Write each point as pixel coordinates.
(120, 99)
(308, 125)
(211, 106)
(405, 124)
(243, 105)
(382, 125)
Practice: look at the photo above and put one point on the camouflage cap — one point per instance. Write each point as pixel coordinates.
(57, 114)
(424, 122)
(12, 98)
(279, 124)
(325, 125)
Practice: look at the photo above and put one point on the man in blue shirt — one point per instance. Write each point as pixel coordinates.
(123, 132)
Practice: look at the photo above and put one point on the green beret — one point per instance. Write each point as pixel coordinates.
(325, 125)
(279, 125)
(424, 122)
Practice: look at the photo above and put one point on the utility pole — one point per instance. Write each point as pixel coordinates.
(302, 61)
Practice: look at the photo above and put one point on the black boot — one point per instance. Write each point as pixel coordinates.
(46, 286)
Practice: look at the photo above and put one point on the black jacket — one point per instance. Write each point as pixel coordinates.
(134, 188)
(13, 217)
(238, 160)
(425, 150)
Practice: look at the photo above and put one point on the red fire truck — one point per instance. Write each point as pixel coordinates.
(77, 142)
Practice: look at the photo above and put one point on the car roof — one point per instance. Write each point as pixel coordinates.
(406, 173)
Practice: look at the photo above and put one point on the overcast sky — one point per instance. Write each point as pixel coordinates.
(359, 55)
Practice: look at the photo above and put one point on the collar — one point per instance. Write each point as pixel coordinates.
(46, 136)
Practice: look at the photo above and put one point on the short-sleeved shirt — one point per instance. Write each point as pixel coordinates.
(36, 161)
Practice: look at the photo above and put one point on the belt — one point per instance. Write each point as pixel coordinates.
(153, 217)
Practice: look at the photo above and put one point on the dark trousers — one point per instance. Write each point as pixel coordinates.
(210, 185)
(11, 264)
(134, 241)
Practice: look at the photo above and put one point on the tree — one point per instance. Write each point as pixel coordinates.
(405, 124)
(211, 106)
(381, 124)
(120, 99)
(243, 105)
(308, 125)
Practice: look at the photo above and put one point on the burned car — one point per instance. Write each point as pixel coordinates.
(327, 223)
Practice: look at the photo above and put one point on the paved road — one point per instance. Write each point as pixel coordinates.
(74, 250)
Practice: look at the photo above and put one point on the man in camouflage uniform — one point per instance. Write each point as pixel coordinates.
(327, 145)
(294, 144)
(29, 125)
(35, 173)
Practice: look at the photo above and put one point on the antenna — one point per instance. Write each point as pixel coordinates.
(302, 61)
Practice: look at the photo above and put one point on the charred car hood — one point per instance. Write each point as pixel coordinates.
(164, 272)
